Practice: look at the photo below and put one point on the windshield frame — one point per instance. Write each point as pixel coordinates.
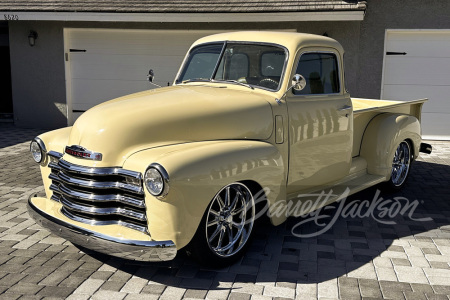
(224, 46)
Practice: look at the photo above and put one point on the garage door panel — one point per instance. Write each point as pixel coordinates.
(92, 92)
(417, 70)
(126, 68)
(426, 49)
(435, 125)
(436, 103)
(423, 72)
(149, 50)
(116, 62)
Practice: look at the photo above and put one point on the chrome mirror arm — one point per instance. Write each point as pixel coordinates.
(279, 99)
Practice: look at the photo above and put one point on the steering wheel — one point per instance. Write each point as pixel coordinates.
(269, 83)
(242, 80)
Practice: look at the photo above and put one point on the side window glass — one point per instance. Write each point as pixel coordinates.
(321, 73)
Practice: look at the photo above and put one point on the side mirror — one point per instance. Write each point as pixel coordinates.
(298, 82)
(151, 75)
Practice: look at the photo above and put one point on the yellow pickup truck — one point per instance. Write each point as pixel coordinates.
(253, 119)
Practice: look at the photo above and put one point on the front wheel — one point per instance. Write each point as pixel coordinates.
(226, 227)
(401, 166)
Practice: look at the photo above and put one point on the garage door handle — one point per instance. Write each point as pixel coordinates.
(77, 50)
(396, 53)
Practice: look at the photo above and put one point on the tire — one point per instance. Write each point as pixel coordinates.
(226, 227)
(401, 166)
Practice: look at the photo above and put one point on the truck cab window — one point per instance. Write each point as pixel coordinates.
(321, 73)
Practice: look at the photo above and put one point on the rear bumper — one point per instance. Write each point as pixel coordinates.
(129, 249)
(426, 148)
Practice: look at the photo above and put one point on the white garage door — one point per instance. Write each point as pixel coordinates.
(417, 65)
(102, 64)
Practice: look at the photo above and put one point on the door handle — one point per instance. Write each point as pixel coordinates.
(345, 107)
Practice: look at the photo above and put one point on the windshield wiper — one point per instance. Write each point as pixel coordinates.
(217, 81)
(197, 80)
(233, 81)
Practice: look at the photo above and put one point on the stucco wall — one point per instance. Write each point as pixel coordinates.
(392, 14)
(38, 75)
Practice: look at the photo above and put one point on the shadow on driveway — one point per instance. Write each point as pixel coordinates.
(349, 246)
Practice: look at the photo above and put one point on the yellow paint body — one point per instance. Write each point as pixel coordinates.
(208, 135)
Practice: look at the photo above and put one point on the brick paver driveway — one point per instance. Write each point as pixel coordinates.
(360, 256)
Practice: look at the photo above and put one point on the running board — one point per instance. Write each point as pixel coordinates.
(335, 193)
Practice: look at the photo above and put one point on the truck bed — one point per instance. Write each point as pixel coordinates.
(361, 105)
(364, 110)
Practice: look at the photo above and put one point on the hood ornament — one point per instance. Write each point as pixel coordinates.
(81, 152)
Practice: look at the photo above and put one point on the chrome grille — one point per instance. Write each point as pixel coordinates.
(98, 196)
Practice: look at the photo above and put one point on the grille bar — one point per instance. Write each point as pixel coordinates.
(98, 171)
(102, 211)
(88, 220)
(61, 176)
(98, 196)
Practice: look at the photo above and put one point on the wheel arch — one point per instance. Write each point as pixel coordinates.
(381, 138)
(197, 172)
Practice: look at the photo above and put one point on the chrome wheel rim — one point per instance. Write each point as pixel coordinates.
(400, 164)
(230, 219)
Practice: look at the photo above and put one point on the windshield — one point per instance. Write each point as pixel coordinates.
(254, 65)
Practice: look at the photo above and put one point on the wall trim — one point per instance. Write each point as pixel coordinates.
(186, 17)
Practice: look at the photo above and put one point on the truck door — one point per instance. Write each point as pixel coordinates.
(320, 123)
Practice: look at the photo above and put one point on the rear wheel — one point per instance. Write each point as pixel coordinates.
(401, 166)
(226, 227)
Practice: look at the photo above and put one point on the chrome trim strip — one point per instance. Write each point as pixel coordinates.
(98, 171)
(129, 249)
(43, 150)
(54, 188)
(55, 154)
(98, 184)
(74, 217)
(54, 177)
(54, 166)
(55, 198)
(139, 203)
(83, 153)
(41, 144)
(96, 211)
(165, 177)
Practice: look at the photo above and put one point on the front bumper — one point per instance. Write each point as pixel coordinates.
(129, 249)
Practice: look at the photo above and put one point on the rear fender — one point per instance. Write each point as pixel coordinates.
(381, 138)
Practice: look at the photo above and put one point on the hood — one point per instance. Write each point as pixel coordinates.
(171, 115)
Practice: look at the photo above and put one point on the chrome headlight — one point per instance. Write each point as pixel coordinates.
(37, 149)
(156, 180)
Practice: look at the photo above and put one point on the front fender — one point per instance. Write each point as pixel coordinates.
(197, 171)
(55, 140)
(381, 138)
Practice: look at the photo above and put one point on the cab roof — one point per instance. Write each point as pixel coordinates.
(291, 40)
